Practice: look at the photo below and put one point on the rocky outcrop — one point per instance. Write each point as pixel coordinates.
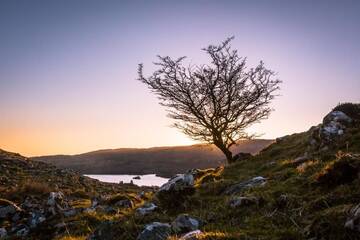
(331, 131)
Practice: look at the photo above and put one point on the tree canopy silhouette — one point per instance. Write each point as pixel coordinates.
(214, 102)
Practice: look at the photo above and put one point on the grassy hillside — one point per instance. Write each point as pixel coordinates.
(303, 186)
(164, 161)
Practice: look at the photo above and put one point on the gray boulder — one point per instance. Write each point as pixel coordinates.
(334, 125)
(239, 187)
(185, 223)
(155, 231)
(178, 183)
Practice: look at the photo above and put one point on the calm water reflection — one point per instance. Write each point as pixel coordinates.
(145, 180)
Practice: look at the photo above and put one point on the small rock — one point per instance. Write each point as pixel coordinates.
(184, 223)
(239, 187)
(242, 201)
(3, 233)
(126, 203)
(89, 210)
(54, 198)
(146, 209)
(155, 231)
(94, 202)
(137, 177)
(353, 220)
(70, 213)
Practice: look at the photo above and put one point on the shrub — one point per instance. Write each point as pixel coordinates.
(35, 188)
(344, 169)
(350, 109)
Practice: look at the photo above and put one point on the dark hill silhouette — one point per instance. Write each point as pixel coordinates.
(164, 161)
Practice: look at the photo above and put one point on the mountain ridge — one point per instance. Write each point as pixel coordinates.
(164, 161)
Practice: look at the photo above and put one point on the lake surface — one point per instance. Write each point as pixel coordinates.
(145, 180)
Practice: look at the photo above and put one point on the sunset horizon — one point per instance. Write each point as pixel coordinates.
(67, 88)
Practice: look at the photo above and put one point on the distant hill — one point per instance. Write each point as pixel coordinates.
(164, 161)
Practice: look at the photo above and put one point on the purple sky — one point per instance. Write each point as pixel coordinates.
(68, 68)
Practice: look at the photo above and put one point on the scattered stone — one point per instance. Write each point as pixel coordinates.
(184, 223)
(146, 209)
(35, 219)
(243, 201)
(239, 187)
(353, 220)
(193, 235)
(155, 231)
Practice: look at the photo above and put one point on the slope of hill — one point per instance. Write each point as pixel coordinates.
(164, 161)
(303, 186)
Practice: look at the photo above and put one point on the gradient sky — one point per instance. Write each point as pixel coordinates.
(68, 68)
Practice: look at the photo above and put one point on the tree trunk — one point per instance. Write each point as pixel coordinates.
(227, 152)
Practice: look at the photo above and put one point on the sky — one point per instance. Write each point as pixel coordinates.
(68, 69)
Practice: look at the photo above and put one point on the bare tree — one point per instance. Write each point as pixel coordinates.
(214, 102)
